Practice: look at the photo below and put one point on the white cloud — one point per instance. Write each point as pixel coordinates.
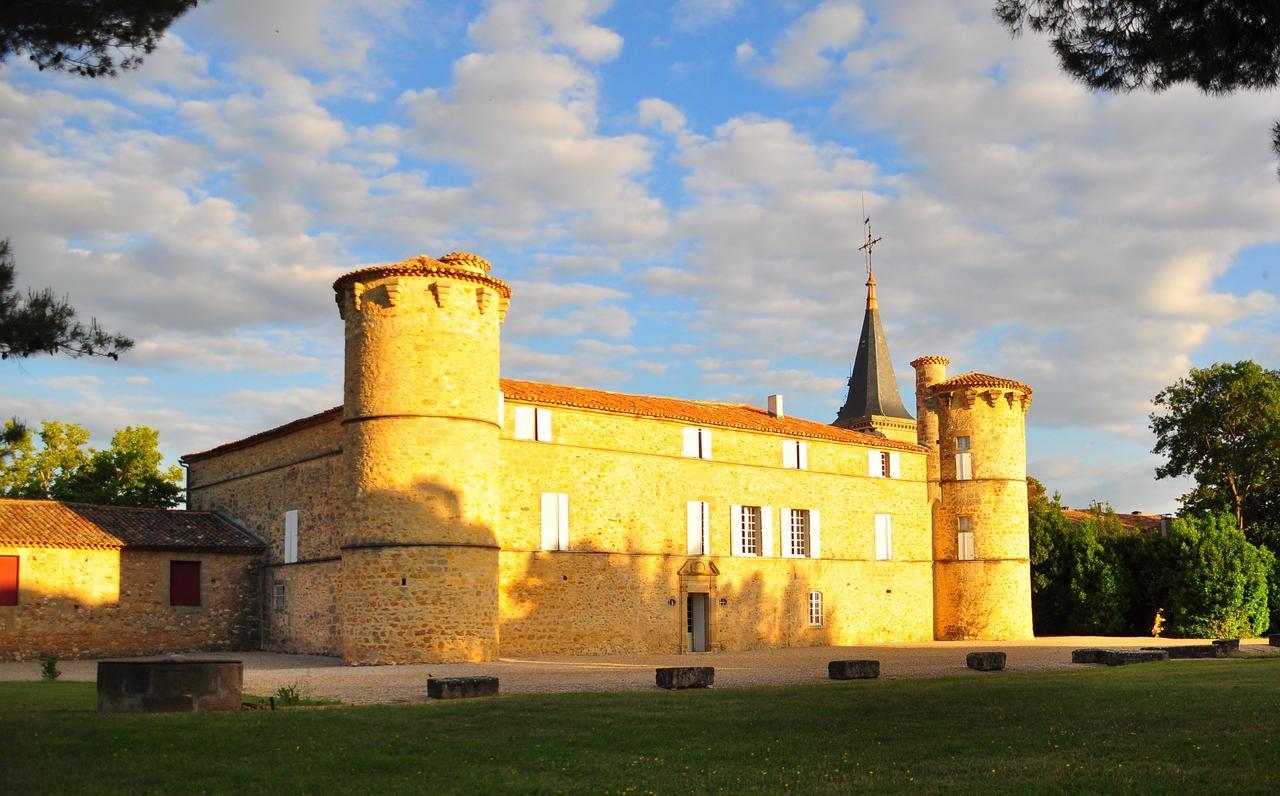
(806, 52)
(693, 15)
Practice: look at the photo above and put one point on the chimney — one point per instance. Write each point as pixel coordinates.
(775, 406)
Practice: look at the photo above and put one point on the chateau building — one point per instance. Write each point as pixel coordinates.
(443, 513)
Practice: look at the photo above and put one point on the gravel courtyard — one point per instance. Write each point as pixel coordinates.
(319, 676)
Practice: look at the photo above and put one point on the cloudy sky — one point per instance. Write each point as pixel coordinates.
(674, 191)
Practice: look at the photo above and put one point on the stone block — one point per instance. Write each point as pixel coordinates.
(985, 661)
(1087, 655)
(1193, 651)
(1125, 657)
(169, 686)
(686, 676)
(461, 687)
(1228, 645)
(853, 670)
(1274, 639)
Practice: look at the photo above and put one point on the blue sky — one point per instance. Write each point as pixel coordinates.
(674, 191)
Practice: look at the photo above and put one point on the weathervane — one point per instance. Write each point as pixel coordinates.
(870, 242)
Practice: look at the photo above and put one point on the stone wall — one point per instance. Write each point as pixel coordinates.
(307, 622)
(76, 603)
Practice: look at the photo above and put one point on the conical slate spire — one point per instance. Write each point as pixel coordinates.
(873, 390)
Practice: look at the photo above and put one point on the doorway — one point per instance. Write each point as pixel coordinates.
(697, 621)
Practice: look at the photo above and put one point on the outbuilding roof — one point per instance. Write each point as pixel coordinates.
(55, 523)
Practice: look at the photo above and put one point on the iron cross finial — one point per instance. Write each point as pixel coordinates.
(869, 244)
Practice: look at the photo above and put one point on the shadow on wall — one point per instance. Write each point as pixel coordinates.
(77, 603)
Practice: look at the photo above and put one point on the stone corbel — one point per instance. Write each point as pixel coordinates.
(990, 397)
(342, 305)
(483, 299)
(357, 291)
(441, 291)
(395, 290)
(967, 398)
(504, 303)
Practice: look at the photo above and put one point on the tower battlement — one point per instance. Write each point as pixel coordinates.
(395, 284)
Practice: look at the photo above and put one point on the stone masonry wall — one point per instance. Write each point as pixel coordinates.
(75, 603)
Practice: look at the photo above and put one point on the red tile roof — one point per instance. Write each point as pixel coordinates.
(977, 381)
(54, 523)
(703, 413)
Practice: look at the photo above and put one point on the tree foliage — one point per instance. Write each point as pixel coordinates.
(89, 38)
(42, 323)
(1218, 46)
(1221, 426)
(128, 473)
(1216, 583)
(1079, 582)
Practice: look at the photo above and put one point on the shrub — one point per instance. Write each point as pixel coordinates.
(49, 668)
(1215, 581)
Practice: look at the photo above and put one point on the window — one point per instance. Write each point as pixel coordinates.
(964, 460)
(801, 535)
(697, 443)
(8, 580)
(795, 454)
(815, 609)
(291, 536)
(752, 530)
(884, 537)
(884, 464)
(278, 595)
(698, 542)
(555, 521)
(964, 538)
(184, 583)
(962, 443)
(533, 423)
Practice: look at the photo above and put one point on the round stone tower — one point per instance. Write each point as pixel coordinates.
(420, 432)
(930, 370)
(982, 568)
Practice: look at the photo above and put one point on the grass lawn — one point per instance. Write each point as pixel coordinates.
(1181, 726)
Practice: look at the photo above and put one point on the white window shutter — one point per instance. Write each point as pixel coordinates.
(815, 534)
(502, 405)
(790, 456)
(784, 532)
(873, 464)
(704, 438)
(802, 455)
(895, 465)
(524, 422)
(706, 529)
(542, 428)
(965, 546)
(691, 442)
(693, 528)
(766, 531)
(550, 520)
(888, 536)
(562, 518)
(881, 547)
(735, 530)
(291, 536)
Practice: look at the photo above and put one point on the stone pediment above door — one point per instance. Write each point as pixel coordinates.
(696, 566)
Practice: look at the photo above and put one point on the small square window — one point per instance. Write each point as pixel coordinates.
(962, 443)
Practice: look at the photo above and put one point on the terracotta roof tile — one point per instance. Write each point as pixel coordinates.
(703, 413)
(54, 523)
(977, 381)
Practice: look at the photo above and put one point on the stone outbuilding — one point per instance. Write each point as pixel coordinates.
(78, 580)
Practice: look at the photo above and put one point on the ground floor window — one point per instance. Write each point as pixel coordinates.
(278, 594)
(815, 609)
(184, 583)
(8, 580)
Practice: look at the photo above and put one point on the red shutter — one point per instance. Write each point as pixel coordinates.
(184, 583)
(8, 580)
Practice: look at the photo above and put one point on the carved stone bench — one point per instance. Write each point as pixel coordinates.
(169, 686)
(686, 677)
(985, 661)
(461, 687)
(853, 670)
